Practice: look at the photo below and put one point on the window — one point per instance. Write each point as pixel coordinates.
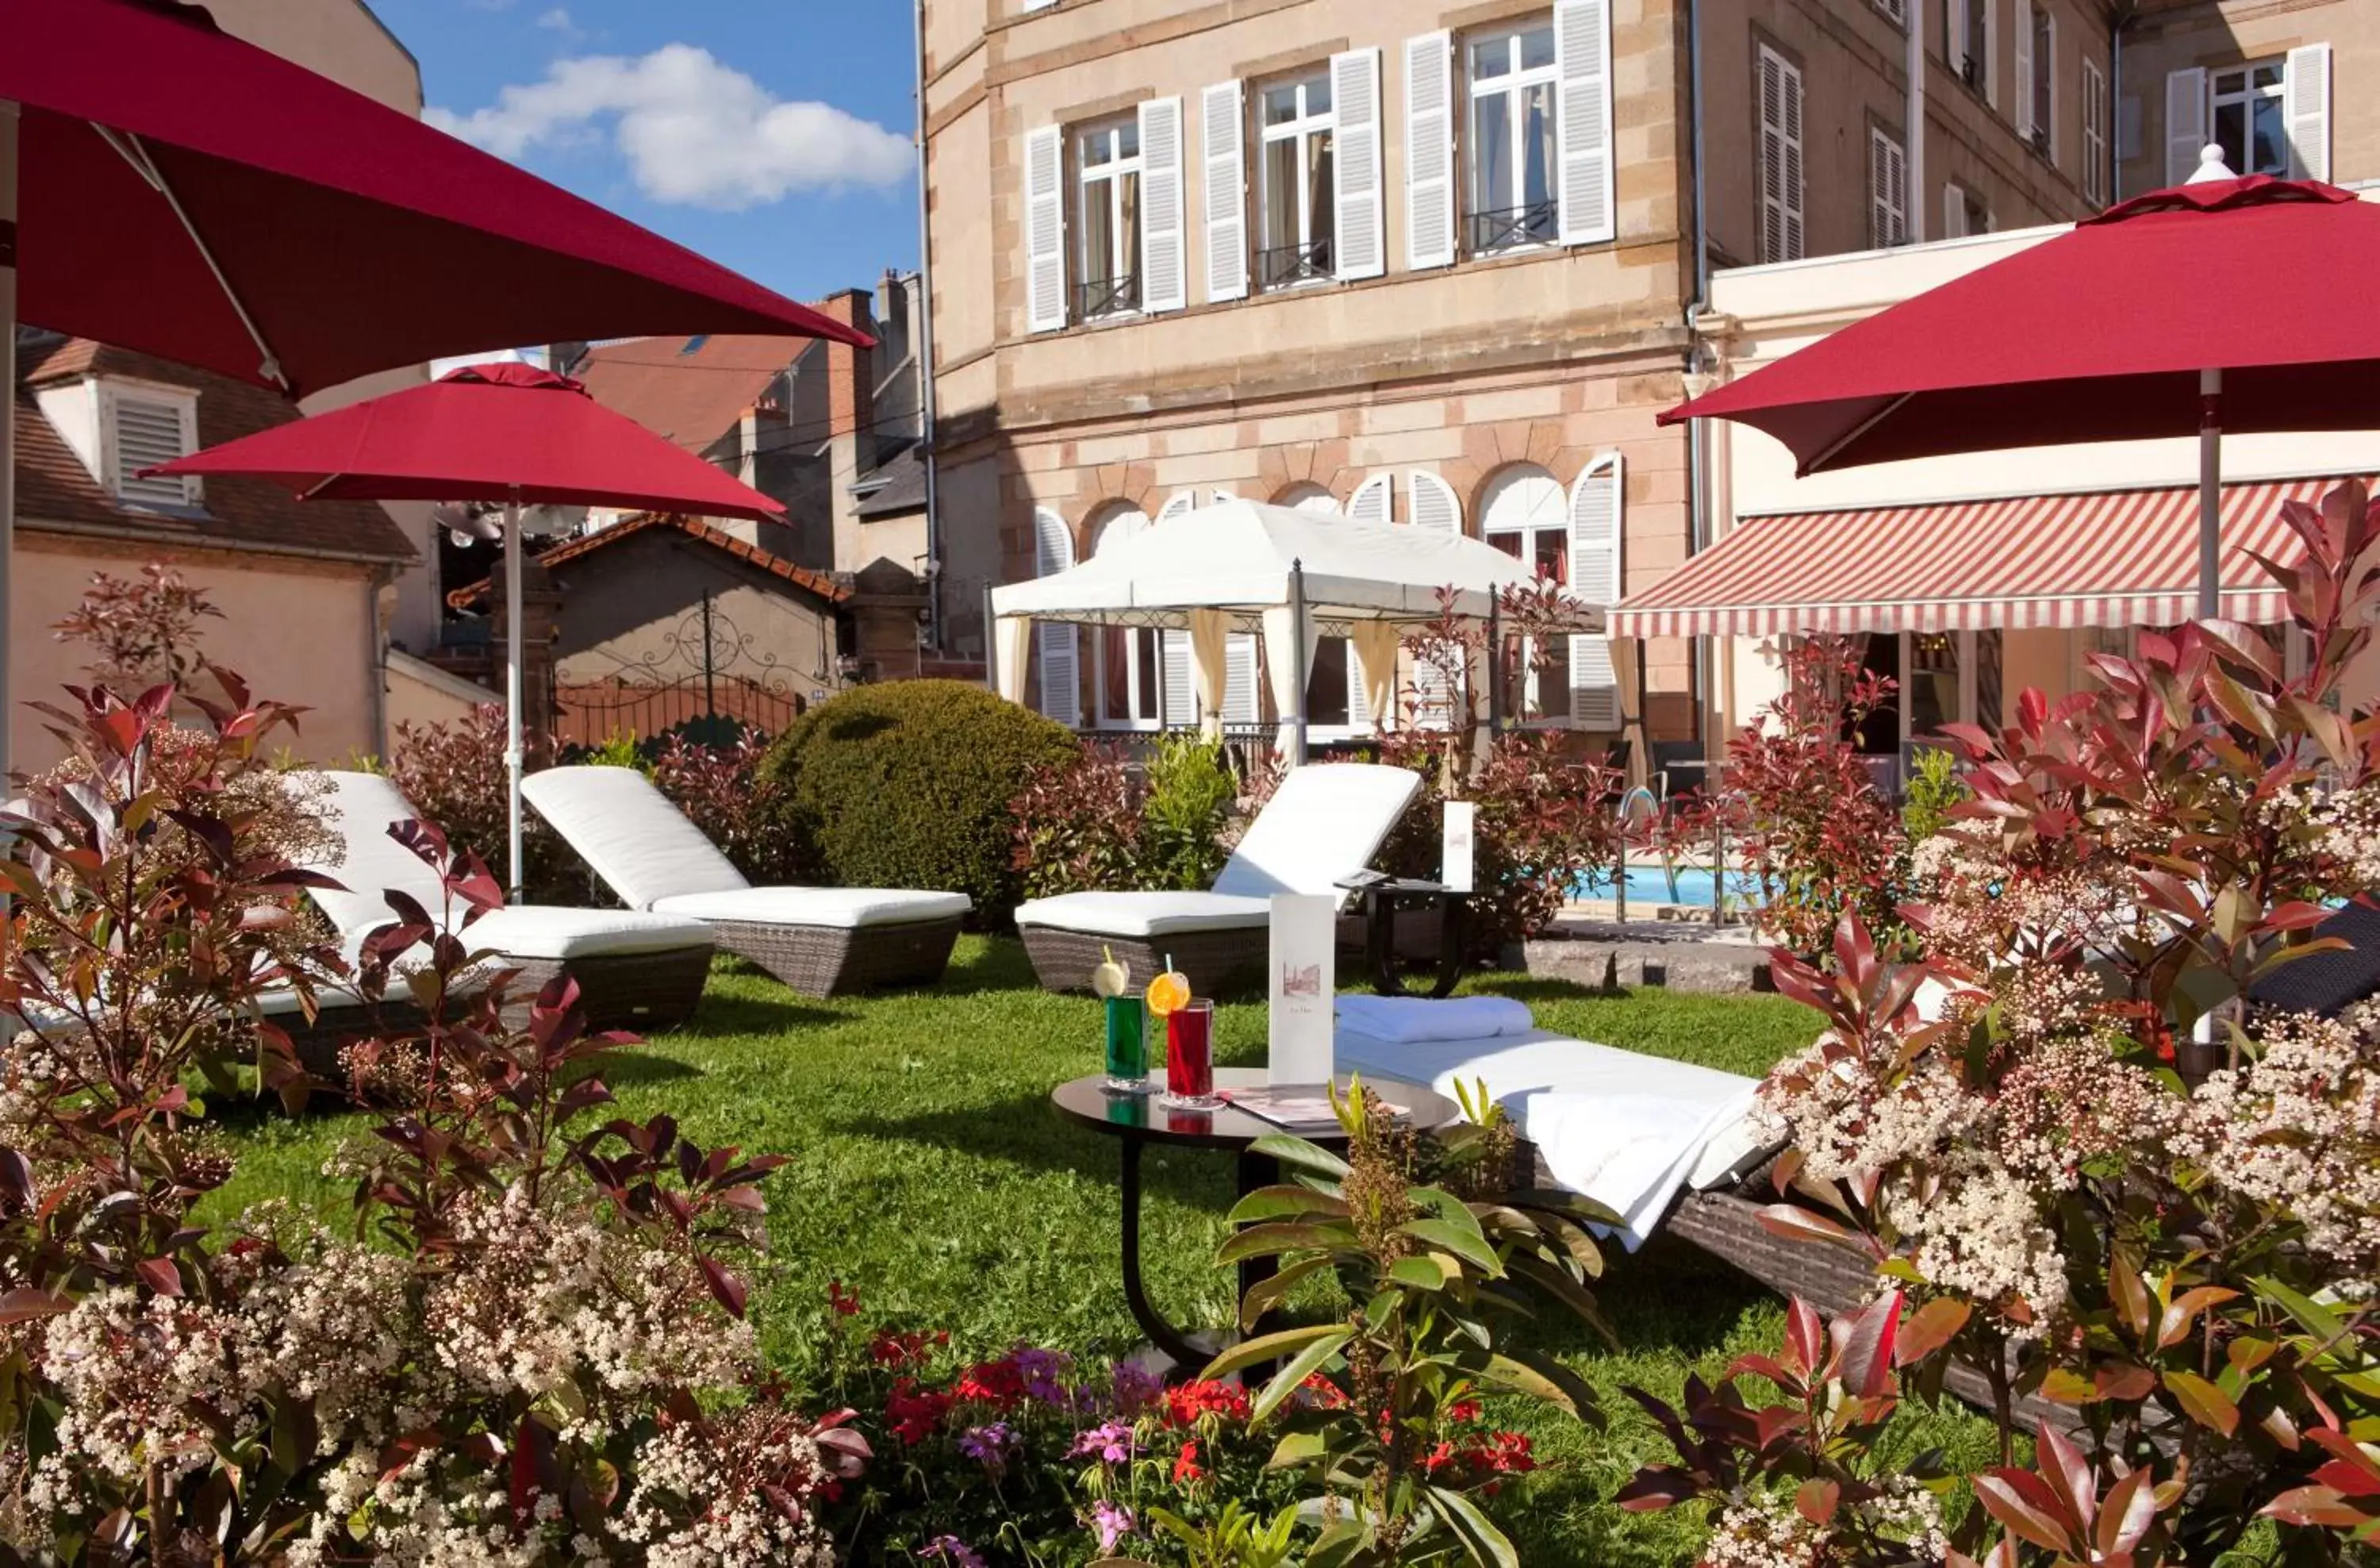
(1967, 44)
(1106, 219)
(2094, 134)
(1526, 515)
(1963, 212)
(2248, 122)
(145, 426)
(1888, 187)
(1512, 147)
(1124, 661)
(1780, 158)
(1295, 183)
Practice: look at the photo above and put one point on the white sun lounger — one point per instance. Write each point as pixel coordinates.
(820, 941)
(634, 970)
(1323, 824)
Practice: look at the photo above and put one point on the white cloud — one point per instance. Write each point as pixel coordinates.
(693, 130)
(558, 21)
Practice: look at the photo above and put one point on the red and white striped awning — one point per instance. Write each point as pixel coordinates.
(2111, 558)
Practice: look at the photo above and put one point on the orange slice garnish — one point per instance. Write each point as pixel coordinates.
(1169, 993)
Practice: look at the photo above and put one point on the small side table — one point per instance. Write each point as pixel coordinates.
(1135, 1121)
(1382, 903)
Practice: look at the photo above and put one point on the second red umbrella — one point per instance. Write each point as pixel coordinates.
(510, 433)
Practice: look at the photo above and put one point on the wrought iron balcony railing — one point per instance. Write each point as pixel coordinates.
(1538, 223)
(1118, 295)
(1285, 266)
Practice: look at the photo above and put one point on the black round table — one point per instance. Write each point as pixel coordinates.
(1135, 1121)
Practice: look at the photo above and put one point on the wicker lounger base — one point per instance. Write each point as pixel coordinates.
(1216, 961)
(833, 960)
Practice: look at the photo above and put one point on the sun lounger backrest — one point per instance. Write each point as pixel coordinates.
(1323, 824)
(360, 809)
(626, 830)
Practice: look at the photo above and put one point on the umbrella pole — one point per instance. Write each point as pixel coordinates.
(513, 751)
(7, 426)
(2210, 494)
(1297, 657)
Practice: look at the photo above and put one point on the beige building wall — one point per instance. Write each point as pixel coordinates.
(299, 632)
(2181, 35)
(764, 629)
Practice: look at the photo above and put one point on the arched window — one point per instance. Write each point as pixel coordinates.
(1308, 497)
(1524, 513)
(1123, 658)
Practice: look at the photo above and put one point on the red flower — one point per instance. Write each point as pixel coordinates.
(889, 1349)
(1185, 1405)
(996, 1384)
(915, 1412)
(1508, 1453)
(845, 1305)
(1438, 1458)
(1319, 1392)
(1464, 1411)
(1186, 1465)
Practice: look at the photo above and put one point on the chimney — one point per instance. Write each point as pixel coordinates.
(851, 376)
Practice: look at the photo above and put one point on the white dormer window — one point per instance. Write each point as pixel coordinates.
(141, 425)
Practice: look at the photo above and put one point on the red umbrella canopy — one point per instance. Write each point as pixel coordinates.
(355, 237)
(485, 433)
(2100, 334)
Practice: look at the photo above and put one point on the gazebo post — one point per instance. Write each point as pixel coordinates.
(1495, 666)
(513, 746)
(1297, 657)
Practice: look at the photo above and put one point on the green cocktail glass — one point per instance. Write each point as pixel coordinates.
(1127, 1050)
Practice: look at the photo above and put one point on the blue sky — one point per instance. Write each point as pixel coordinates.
(773, 137)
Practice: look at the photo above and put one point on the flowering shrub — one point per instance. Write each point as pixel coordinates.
(1034, 1455)
(2186, 1271)
(534, 1351)
(1817, 837)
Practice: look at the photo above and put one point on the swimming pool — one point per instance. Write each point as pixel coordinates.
(1649, 884)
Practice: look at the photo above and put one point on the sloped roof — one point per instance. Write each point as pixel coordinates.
(53, 487)
(903, 487)
(690, 390)
(695, 528)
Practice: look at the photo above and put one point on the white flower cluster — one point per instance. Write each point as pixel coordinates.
(2347, 824)
(697, 1505)
(1765, 1529)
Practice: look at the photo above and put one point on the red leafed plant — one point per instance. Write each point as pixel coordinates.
(2173, 1247)
(722, 790)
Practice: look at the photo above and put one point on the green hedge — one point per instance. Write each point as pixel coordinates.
(908, 785)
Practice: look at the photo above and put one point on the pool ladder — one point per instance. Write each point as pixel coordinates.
(1626, 808)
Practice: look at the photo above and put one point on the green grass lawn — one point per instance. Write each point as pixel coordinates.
(928, 1170)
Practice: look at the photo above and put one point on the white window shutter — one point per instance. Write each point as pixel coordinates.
(1429, 150)
(1355, 162)
(1045, 230)
(1780, 158)
(2185, 122)
(1595, 532)
(1359, 697)
(1991, 50)
(1583, 176)
(1221, 123)
(2048, 66)
(1373, 501)
(1954, 213)
(1187, 501)
(2305, 110)
(2094, 134)
(148, 431)
(1954, 41)
(1180, 697)
(1433, 503)
(1164, 264)
(1061, 687)
(2025, 126)
(1240, 681)
(1887, 191)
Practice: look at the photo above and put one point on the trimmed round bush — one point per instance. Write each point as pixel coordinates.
(908, 785)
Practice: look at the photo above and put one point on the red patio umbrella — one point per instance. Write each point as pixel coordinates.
(487, 433)
(2222, 304)
(184, 193)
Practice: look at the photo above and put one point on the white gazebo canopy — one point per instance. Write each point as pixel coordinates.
(1290, 574)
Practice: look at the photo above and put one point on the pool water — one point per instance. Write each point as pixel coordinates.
(1649, 884)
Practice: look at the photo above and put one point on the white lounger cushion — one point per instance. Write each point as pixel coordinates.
(1322, 824)
(626, 828)
(843, 907)
(1624, 1129)
(360, 810)
(537, 930)
(1140, 915)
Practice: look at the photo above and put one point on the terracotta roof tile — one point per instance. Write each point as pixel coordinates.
(819, 583)
(53, 487)
(691, 390)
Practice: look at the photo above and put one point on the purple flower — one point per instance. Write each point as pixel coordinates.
(1110, 1442)
(1136, 1390)
(1112, 1523)
(988, 1446)
(954, 1551)
(1044, 1372)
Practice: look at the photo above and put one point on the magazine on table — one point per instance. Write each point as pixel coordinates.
(1299, 1107)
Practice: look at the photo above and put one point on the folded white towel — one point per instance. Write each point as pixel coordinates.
(1408, 1020)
